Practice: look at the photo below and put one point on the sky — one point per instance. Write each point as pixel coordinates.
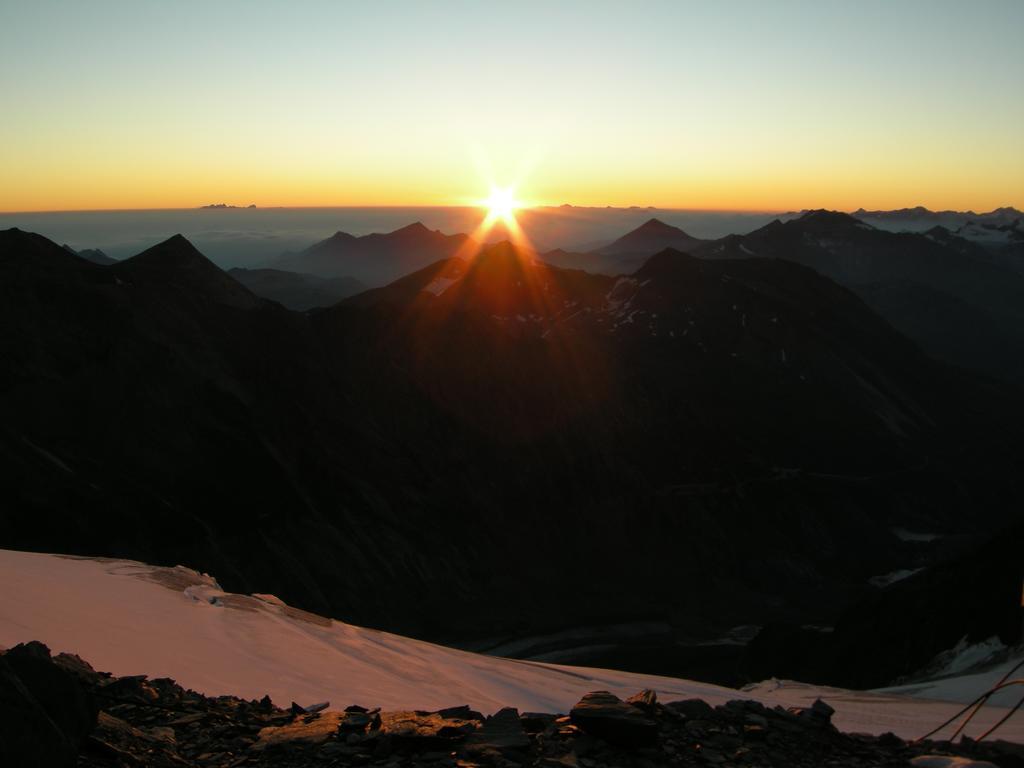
(707, 105)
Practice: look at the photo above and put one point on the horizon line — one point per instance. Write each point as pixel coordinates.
(763, 211)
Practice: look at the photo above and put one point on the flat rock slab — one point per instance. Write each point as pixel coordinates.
(304, 732)
(608, 717)
(424, 730)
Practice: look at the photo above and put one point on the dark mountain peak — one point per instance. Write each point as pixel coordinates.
(656, 225)
(176, 263)
(503, 249)
(502, 257)
(667, 261)
(95, 255)
(650, 237)
(340, 237)
(15, 235)
(821, 220)
(416, 228)
(175, 250)
(411, 233)
(20, 247)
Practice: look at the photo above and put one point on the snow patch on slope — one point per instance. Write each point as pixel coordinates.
(439, 285)
(130, 618)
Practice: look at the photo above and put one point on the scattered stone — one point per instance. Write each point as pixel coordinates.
(423, 731)
(302, 733)
(536, 722)
(606, 716)
(462, 712)
(819, 712)
(501, 736)
(157, 724)
(692, 709)
(645, 699)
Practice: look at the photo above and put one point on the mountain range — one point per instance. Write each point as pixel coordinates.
(705, 441)
(958, 294)
(91, 254)
(920, 218)
(627, 253)
(944, 292)
(376, 258)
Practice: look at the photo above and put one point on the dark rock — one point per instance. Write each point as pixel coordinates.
(359, 719)
(462, 712)
(134, 689)
(28, 737)
(606, 716)
(691, 709)
(59, 692)
(818, 713)
(645, 699)
(890, 740)
(77, 666)
(535, 722)
(501, 735)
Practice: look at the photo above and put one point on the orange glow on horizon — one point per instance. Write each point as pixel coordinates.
(501, 206)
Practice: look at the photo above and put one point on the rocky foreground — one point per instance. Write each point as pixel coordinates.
(58, 711)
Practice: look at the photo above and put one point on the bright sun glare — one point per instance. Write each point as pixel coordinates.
(501, 204)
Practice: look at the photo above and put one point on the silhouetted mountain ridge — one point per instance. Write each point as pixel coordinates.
(177, 262)
(376, 258)
(652, 235)
(906, 277)
(667, 442)
(94, 255)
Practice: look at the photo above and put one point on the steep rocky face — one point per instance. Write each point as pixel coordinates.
(703, 443)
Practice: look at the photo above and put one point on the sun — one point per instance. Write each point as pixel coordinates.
(501, 204)
(499, 220)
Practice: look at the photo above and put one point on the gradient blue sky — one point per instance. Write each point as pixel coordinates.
(746, 105)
